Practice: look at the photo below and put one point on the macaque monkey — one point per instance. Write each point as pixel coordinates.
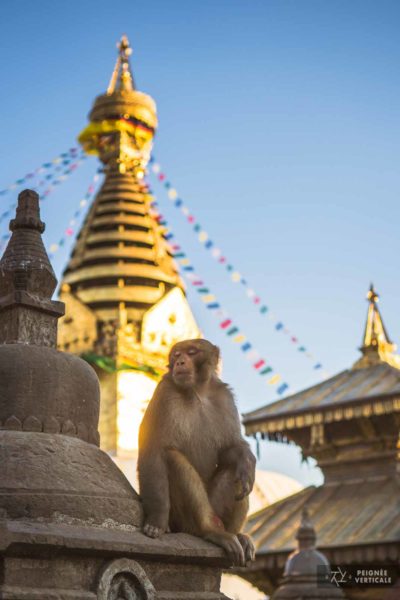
(195, 469)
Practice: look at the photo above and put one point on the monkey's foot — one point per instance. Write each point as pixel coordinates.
(248, 546)
(230, 544)
(152, 531)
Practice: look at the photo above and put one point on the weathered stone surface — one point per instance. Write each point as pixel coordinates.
(61, 477)
(125, 578)
(59, 561)
(50, 386)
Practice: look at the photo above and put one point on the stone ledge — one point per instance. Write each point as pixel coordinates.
(11, 592)
(20, 593)
(173, 547)
(191, 596)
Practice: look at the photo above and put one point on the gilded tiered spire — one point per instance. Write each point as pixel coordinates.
(121, 263)
(376, 344)
(124, 297)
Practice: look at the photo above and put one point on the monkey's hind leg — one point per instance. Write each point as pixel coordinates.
(232, 512)
(222, 492)
(191, 510)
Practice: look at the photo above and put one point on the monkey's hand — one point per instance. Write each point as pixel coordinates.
(248, 546)
(244, 478)
(152, 530)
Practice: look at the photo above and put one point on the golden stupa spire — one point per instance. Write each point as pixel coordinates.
(125, 300)
(122, 77)
(376, 344)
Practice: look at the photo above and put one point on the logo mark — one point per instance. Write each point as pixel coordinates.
(338, 577)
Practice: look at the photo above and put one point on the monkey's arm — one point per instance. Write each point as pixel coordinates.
(240, 458)
(154, 491)
(152, 472)
(236, 453)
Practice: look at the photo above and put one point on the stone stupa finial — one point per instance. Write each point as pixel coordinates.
(306, 535)
(27, 281)
(307, 571)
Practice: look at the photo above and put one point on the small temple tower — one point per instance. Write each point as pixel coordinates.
(124, 299)
(307, 574)
(70, 522)
(350, 424)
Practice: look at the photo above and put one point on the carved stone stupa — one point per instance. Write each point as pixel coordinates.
(69, 519)
(307, 574)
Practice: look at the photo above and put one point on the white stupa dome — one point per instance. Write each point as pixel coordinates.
(270, 487)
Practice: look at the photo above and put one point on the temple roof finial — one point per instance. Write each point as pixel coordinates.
(306, 535)
(376, 345)
(122, 77)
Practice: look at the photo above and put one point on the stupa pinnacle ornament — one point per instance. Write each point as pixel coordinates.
(122, 65)
(125, 300)
(376, 346)
(123, 121)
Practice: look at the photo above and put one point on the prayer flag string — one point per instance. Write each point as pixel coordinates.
(65, 164)
(70, 230)
(59, 161)
(227, 325)
(72, 166)
(235, 276)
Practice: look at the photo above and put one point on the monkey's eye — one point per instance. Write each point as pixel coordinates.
(192, 351)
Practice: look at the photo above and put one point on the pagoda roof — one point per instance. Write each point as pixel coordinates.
(371, 386)
(351, 393)
(357, 512)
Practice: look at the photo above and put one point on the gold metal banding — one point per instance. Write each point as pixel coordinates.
(126, 235)
(134, 293)
(122, 206)
(118, 253)
(118, 219)
(131, 103)
(116, 270)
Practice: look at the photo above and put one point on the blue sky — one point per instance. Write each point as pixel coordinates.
(278, 126)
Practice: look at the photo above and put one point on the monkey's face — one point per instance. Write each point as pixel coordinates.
(192, 362)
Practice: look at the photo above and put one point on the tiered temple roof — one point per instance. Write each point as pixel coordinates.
(350, 424)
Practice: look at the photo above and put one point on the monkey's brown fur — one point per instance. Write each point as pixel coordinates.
(195, 469)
